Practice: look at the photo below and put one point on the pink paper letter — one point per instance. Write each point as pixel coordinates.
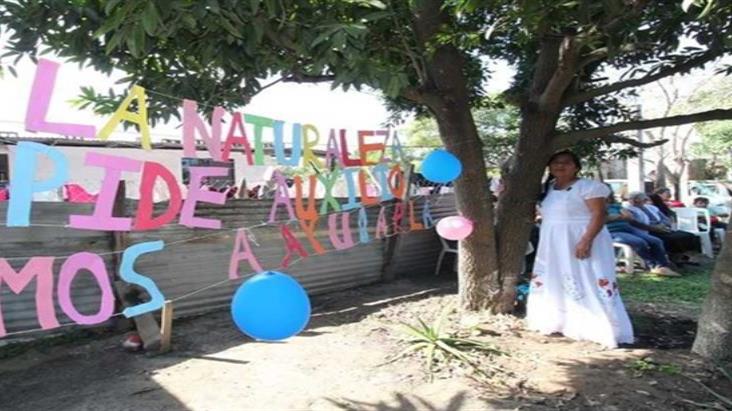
(195, 194)
(95, 265)
(282, 196)
(192, 122)
(242, 251)
(42, 269)
(102, 218)
(347, 241)
(40, 99)
(381, 227)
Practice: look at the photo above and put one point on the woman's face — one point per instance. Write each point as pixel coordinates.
(563, 166)
(665, 195)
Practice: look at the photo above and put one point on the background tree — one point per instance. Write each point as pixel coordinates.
(715, 137)
(427, 56)
(497, 126)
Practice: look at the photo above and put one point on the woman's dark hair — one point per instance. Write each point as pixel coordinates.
(657, 201)
(611, 196)
(550, 178)
(662, 190)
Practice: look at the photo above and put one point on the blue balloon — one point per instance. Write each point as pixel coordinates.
(441, 166)
(270, 306)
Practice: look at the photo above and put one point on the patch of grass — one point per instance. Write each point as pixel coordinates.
(645, 365)
(690, 289)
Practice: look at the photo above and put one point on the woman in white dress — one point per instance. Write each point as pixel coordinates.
(574, 290)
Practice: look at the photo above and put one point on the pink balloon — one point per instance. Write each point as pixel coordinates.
(454, 228)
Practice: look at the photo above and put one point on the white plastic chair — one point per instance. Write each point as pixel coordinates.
(687, 219)
(720, 233)
(627, 256)
(446, 248)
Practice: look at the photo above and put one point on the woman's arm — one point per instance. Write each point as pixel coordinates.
(598, 211)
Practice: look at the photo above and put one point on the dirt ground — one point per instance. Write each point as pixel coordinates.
(345, 360)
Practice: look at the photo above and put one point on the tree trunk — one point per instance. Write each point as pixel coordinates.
(477, 263)
(714, 333)
(445, 92)
(660, 175)
(517, 205)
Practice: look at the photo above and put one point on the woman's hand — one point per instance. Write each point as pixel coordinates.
(583, 248)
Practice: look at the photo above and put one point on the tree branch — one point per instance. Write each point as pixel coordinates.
(621, 85)
(614, 138)
(571, 138)
(302, 78)
(563, 74)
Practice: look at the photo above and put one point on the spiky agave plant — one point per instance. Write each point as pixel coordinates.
(444, 345)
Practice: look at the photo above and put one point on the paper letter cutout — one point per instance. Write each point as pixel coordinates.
(42, 269)
(127, 272)
(413, 224)
(382, 230)
(363, 224)
(259, 124)
(396, 150)
(397, 216)
(237, 125)
(347, 241)
(382, 176)
(332, 152)
(40, 100)
(329, 180)
(282, 196)
(427, 219)
(23, 185)
(102, 218)
(308, 217)
(193, 123)
(308, 157)
(144, 219)
(242, 251)
(94, 264)
(347, 161)
(309, 227)
(195, 194)
(279, 144)
(363, 186)
(352, 204)
(139, 118)
(291, 244)
(311, 213)
(397, 184)
(364, 149)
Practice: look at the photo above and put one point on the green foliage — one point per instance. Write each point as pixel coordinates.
(497, 126)
(643, 366)
(716, 136)
(438, 345)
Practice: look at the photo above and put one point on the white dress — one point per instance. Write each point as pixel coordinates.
(578, 298)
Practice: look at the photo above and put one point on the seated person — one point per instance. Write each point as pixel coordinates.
(648, 247)
(665, 195)
(703, 202)
(651, 220)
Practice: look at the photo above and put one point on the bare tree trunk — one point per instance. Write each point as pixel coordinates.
(445, 92)
(714, 333)
(517, 205)
(660, 174)
(477, 262)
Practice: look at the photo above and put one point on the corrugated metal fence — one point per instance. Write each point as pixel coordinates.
(193, 267)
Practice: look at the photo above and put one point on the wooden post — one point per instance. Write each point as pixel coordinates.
(392, 243)
(146, 325)
(166, 327)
